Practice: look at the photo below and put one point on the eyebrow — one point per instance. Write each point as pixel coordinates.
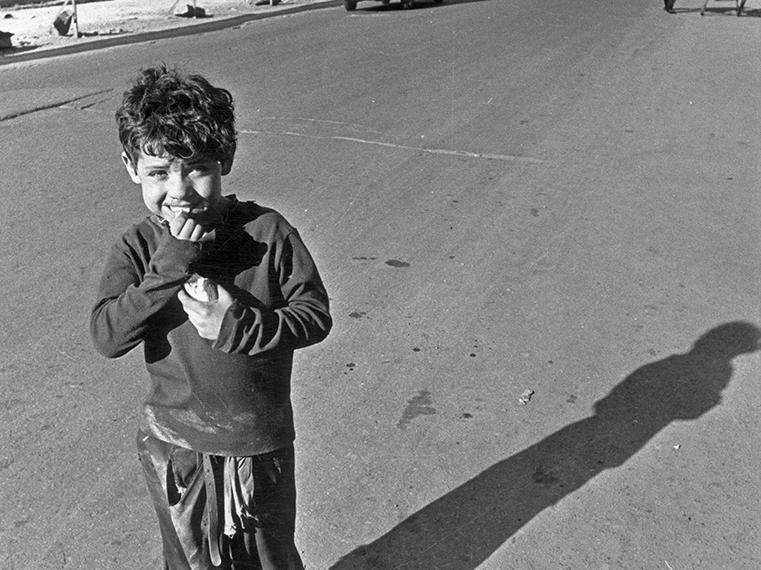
(157, 164)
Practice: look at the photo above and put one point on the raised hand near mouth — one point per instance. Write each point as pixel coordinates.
(185, 228)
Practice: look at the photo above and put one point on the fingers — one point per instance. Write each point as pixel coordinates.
(176, 224)
(223, 302)
(205, 317)
(223, 296)
(189, 304)
(195, 310)
(186, 228)
(198, 231)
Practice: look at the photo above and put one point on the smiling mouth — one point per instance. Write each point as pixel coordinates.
(175, 210)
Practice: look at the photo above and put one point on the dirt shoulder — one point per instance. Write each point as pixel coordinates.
(32, 26)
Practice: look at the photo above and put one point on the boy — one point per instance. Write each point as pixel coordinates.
(216, 437)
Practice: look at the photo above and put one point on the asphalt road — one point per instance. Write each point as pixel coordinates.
(502, 196)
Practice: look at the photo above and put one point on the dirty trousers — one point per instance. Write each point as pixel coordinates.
(222, 512)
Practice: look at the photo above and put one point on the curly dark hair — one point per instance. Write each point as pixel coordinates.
(169, 112)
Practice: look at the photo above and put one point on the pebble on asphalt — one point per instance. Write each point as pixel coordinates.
(525, 397)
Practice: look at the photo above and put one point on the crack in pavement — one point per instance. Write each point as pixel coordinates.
(330, 122)
(8, 115)
(438, 151)
(66, 104)
(85, 107)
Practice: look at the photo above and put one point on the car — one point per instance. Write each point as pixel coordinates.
(351, 5)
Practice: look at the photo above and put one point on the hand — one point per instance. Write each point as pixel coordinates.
(188, 229)
(206, 317)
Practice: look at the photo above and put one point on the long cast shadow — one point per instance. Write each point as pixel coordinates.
(464, 527)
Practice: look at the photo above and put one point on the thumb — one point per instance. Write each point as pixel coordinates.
(224, 297)
(183, 296)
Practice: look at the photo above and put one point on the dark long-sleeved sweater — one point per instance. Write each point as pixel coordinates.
(230, 396)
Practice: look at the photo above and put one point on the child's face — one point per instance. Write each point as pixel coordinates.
(172, 186)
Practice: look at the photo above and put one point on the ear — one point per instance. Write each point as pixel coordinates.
(131, 168)
(227, 166)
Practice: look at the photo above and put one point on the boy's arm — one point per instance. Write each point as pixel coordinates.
(127, 300)
(305, 320)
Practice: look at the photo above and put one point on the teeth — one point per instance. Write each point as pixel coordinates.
(177, 210)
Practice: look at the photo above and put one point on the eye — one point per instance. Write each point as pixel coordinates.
(157, 174)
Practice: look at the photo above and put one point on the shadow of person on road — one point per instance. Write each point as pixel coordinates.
(461, 529)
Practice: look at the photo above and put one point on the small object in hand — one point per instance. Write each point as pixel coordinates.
(202, 289)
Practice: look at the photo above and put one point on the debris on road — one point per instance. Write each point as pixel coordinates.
(192, 11)
(62, 22)
(525, 397)
(5, 40)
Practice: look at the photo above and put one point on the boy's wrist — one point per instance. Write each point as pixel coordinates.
(176, 255)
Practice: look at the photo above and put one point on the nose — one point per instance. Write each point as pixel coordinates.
(179, 187)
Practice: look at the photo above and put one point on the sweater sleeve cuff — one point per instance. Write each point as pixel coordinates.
(174, 257)
(230, 328)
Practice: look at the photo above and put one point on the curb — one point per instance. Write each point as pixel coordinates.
(139, 37)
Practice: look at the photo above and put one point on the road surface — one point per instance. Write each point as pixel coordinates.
(554, 201)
